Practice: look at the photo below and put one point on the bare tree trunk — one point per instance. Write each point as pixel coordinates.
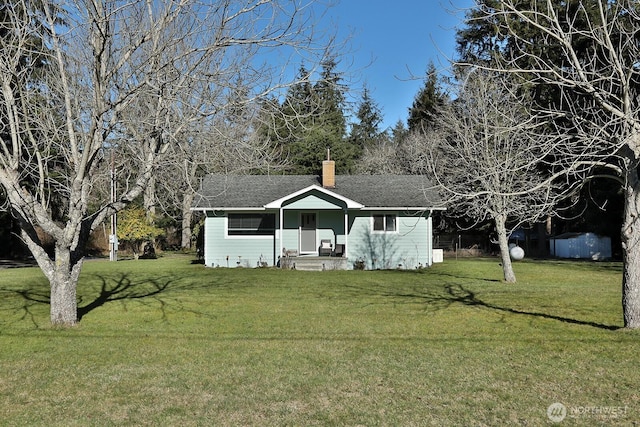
(63, 283)
(62, 272)
(631, 255)
(187, 201)
(150, 198)
(604, 117)
(507, 268)
(135, 69)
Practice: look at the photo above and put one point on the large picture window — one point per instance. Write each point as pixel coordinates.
(251, 224)
(384, 223)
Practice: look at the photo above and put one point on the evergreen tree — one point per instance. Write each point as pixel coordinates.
(481, 40)
(299, 104)
(485, 41)
(579, 61)
(330, 93)
(427, 102)
(311, 120)
(399, 133)
(365, 132)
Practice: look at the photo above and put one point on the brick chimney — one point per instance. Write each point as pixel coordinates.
(328, 172)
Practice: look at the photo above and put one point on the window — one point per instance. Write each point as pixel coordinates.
(251, 224)
(384, 223)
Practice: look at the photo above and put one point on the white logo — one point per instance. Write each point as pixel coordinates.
(556, 412)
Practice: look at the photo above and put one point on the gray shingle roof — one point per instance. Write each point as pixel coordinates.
(238, 191)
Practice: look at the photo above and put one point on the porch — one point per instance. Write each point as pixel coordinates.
(313, 263)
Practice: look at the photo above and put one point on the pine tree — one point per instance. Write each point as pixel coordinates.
(330, 94)
(365, 132)
(578, 59)
(399, 132)
(311, 120)
(428, 101)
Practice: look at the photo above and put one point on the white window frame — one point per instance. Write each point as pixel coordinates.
(385, 216)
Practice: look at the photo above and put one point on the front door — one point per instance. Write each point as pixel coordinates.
(308, 232)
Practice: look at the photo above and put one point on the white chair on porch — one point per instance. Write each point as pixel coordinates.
(326, 247)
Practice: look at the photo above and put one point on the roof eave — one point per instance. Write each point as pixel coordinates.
(351, 204)
(401, 208)
(227, 208)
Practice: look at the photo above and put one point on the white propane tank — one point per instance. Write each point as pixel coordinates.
(516, 253)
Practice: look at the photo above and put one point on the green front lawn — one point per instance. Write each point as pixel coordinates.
(166, 342)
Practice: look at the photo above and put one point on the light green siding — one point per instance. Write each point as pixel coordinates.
(314, 200)
(330, 225)
(290, 230)
(311, 202)
(245, 251)
(406, 248)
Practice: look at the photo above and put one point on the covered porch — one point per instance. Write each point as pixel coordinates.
(313, 240)
(313, 229)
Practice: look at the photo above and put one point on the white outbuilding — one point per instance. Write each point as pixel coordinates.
(581, 245)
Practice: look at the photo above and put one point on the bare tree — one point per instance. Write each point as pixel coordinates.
(115, 73)
(219, 146)
(380, 158)
(486, 155)
(594, 69)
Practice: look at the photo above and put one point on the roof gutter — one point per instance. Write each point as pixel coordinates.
(400, 208)
(362, 208)
(213, 208)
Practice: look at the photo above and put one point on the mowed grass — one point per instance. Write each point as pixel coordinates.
(167, 342)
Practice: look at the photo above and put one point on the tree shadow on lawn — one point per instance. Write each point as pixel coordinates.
(123, 288)
(95, 291)
(443, 296)
(112, 288)
(459, 294)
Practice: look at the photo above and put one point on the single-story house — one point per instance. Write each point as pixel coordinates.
(370, 221)
(580, 245)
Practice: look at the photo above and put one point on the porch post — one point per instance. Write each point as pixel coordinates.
(280, 239)
(346, 231)
(429, 239)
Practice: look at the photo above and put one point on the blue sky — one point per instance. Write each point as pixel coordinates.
(391, 44)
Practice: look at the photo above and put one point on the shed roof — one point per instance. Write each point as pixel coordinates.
(373, 191)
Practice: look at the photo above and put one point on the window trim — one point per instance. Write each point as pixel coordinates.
(249, 236)
(385, 217)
